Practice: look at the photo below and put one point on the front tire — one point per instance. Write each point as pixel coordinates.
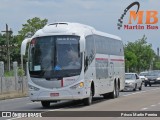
(88, 101)
(45, 104)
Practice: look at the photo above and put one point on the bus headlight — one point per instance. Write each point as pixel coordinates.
(31, 87)
(79, 85)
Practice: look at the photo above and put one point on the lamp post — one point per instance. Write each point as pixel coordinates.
(152, 62)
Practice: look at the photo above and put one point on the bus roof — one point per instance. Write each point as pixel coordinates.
(66, 28)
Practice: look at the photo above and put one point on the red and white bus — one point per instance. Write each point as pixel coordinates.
(72, 61)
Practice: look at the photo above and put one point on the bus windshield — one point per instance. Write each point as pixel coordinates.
(55, 56)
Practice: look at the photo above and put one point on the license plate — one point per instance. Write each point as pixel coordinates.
(54, 94)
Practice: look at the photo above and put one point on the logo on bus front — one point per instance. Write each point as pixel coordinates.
(139, 19)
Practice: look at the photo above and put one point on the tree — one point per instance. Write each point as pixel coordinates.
(130, 61)
(143, 52)
(156, 63)
(3, 49)
(32, 26)
(29, 30)
(15, 41)
(13, 49)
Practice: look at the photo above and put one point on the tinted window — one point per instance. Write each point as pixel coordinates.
(105, 45)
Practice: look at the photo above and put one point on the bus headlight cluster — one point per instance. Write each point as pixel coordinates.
(79, 85)
(31, 87)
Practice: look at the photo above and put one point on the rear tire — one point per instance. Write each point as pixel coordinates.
(45, 104)
(115, 92)
(105, 96)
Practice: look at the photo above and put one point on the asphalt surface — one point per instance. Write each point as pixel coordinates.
(148, 99)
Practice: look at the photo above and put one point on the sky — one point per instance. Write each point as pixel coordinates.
(103, 15)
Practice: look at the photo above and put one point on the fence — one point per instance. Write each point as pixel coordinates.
(14, 86)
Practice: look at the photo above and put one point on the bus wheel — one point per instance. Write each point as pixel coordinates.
(115, 92)
(45, 104)
(88, 101)
(105, 96)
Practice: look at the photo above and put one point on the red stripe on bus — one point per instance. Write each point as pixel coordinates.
(111, 59)
(117, 59)
(101, 58)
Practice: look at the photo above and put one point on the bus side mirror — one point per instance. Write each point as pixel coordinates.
(24, 45)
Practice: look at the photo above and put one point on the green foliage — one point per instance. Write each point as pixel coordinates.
(20, 72)
(2, 39)
(31, 27)
(140, 52)
(130, 60)
(13, 47)
(28, 29)
(157, 65)
(9, 73)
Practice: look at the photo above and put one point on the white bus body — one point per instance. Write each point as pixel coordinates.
(101, 69)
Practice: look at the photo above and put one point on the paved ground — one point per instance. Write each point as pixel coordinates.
(146, 100)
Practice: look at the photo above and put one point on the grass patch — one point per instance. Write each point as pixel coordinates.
(9, 73)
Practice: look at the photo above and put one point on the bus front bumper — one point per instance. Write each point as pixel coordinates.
(58, 95)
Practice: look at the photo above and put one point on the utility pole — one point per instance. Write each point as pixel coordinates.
(158, 52)
(8, 32)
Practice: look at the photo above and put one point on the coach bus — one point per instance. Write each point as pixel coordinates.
(72, 61)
